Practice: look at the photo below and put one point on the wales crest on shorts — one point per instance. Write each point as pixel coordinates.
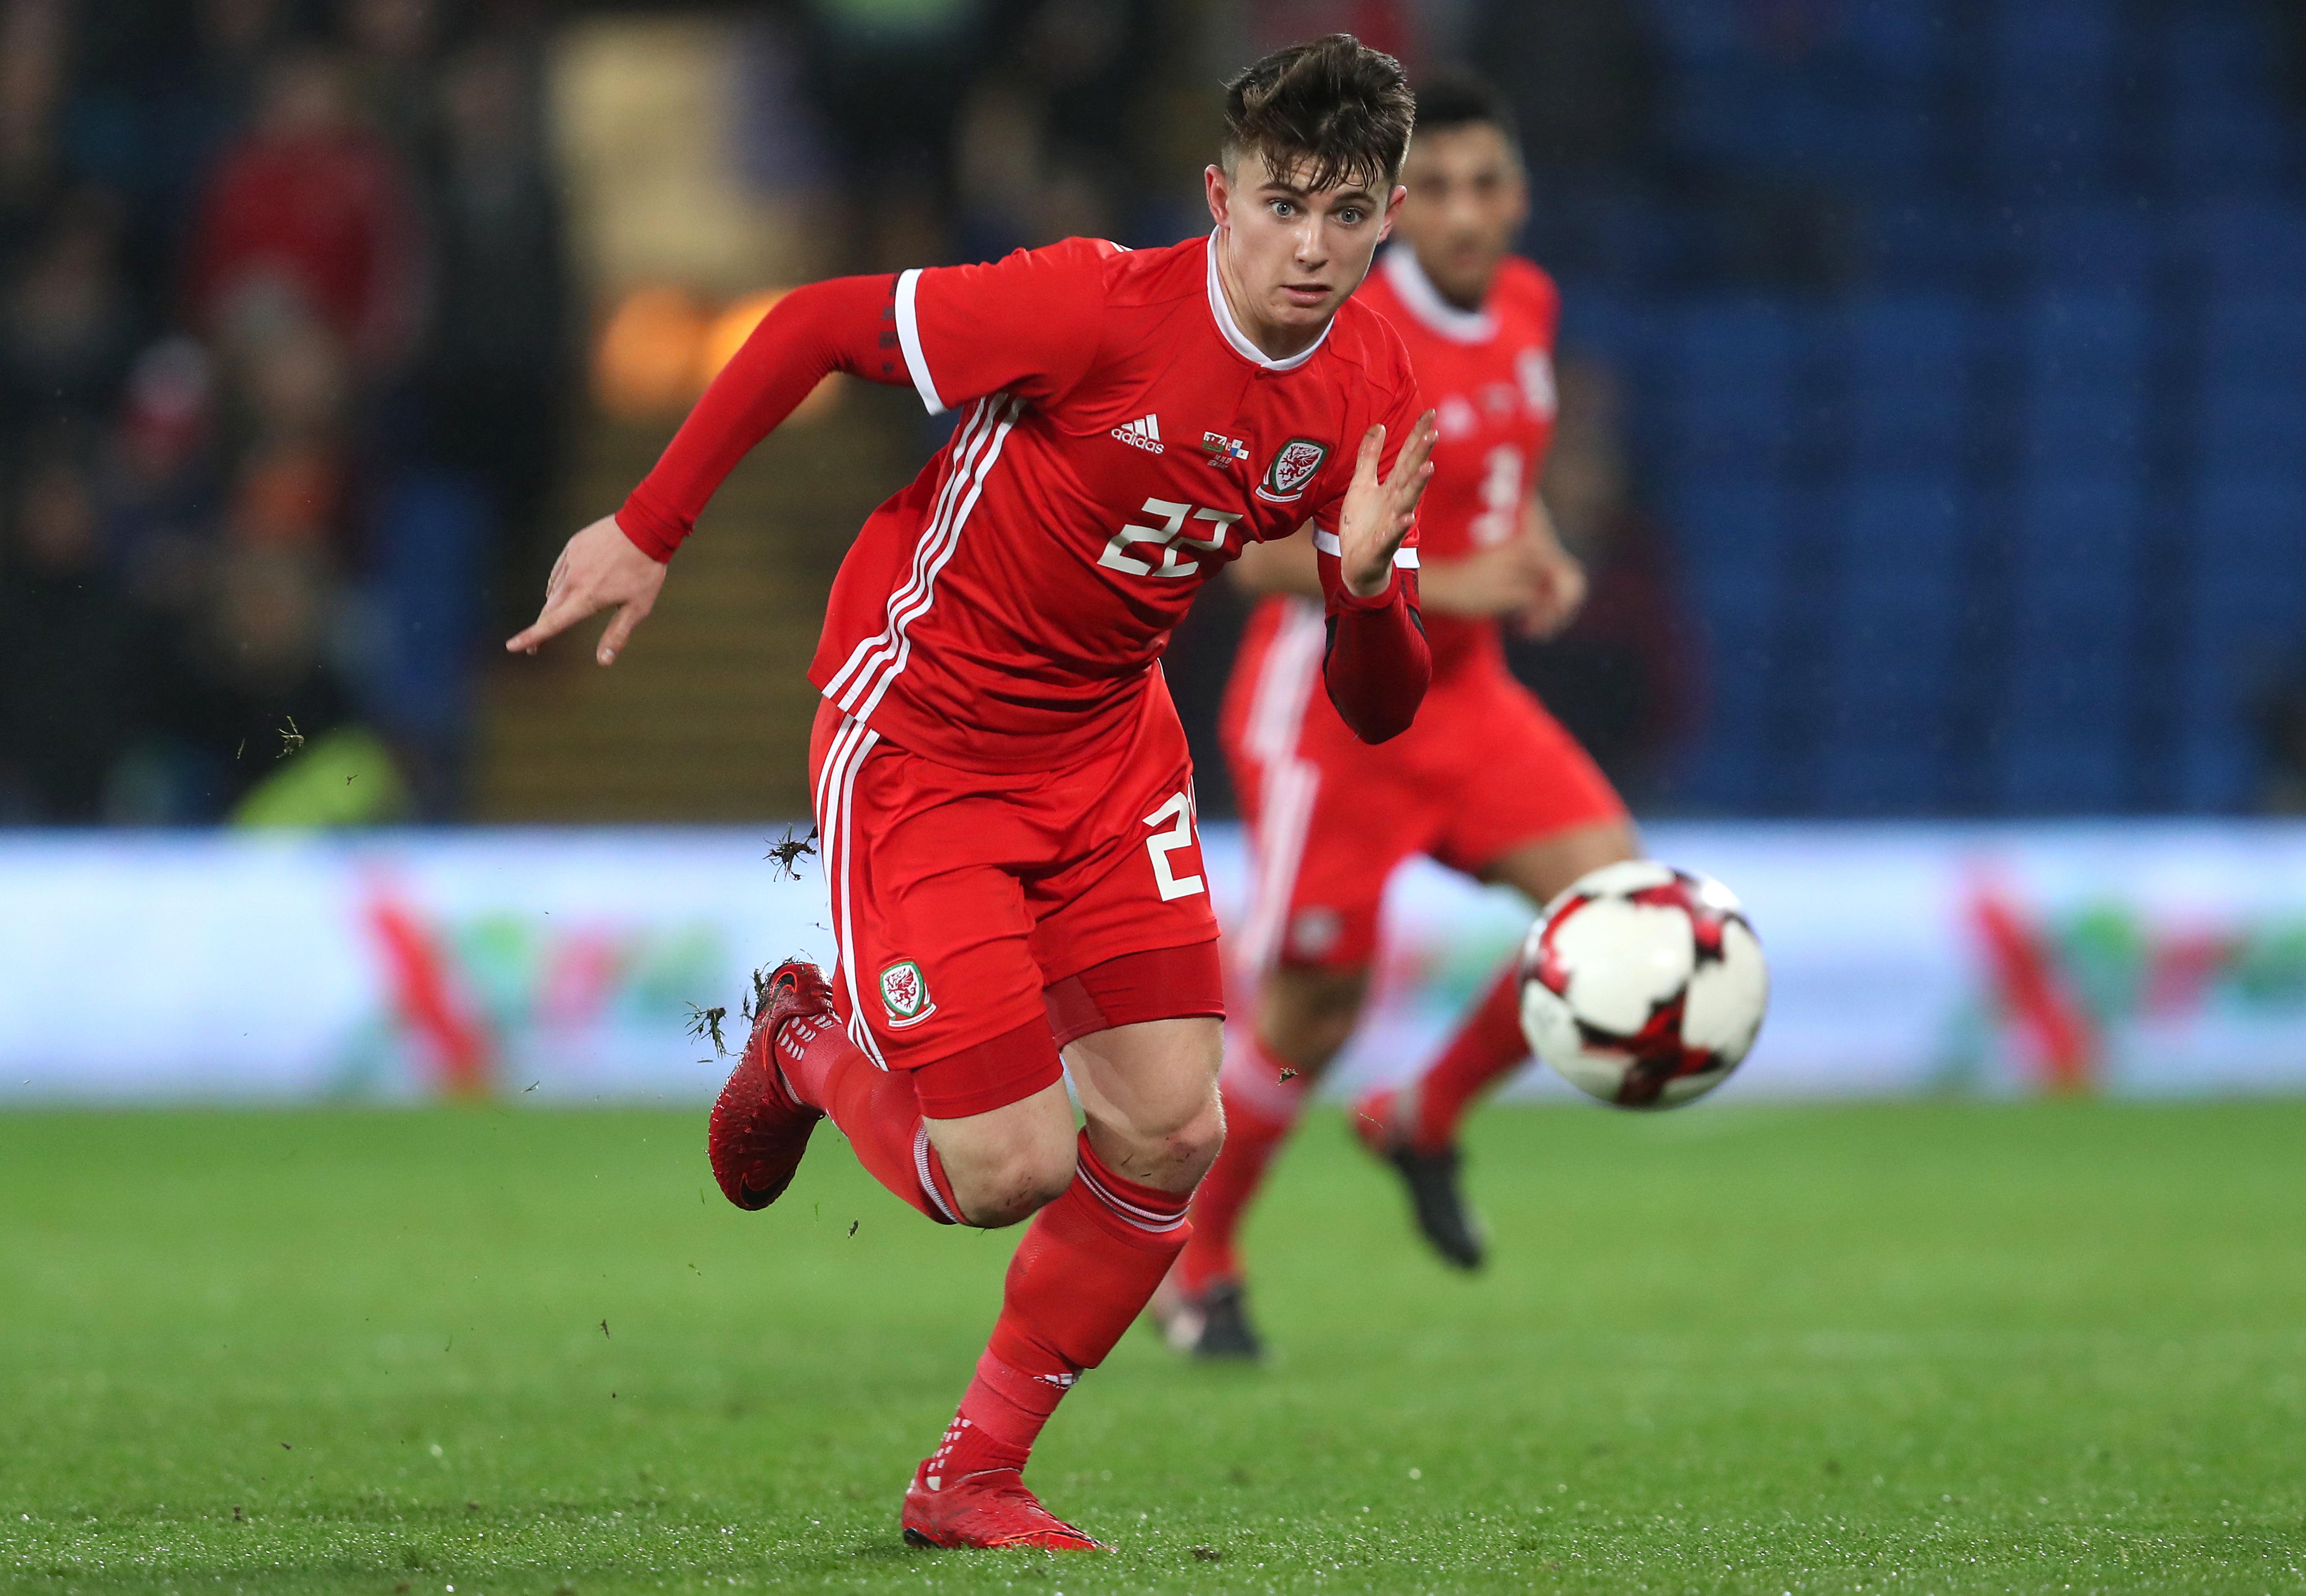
(905, 994)
(1294, 464)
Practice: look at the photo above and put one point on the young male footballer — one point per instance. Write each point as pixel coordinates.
(1001, 785)
(1486, 781)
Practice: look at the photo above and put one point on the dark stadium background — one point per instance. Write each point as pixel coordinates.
(1933, 368)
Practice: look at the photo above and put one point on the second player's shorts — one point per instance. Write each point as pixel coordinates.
(1484, 770)
(984, 920)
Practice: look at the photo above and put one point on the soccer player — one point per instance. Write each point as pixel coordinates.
(1486, 781)
(1001, 784)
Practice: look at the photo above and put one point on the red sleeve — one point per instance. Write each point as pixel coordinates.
(1378, 665)
(844, 325)
(1028, 324)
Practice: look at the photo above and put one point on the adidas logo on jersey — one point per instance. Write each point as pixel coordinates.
(1145, 433)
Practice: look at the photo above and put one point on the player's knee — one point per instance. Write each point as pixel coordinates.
(1194, 1145)
(1015, 1185)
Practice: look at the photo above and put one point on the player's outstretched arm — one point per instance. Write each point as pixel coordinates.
(600, 568)
(619, 560)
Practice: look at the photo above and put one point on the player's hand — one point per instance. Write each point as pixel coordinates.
(600, 568)
(1559, 588)
(1378, 514)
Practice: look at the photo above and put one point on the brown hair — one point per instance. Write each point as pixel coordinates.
(1331, 108)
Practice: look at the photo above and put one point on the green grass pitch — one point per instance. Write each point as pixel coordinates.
(1918, 1348)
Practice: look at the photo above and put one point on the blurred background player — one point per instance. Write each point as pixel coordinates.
(1004, 788)
(1486, 781)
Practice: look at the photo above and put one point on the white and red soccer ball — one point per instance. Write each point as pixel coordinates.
(1642, 984)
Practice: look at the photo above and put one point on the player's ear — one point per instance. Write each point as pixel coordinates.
(1392, 209)
(1220, 190)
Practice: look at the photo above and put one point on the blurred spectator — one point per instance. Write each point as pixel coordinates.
(392, 67)
(163, 479)
(1050, 140)
(888, 80)
(31, 86)
(69, 661)
(311, 205)
(495, 368)
(1619, 677)
(68, 325)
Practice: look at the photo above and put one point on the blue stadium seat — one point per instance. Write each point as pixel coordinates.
(2036, 143)
(1925, 240)
(2086, 335)
(2228, 145)
(2247, 244)
(2077, 426)
(1909, 375)
(1732, 373)
(1896, 39)
(2093, 245)
(1905, 523)
(2046, 46)
(2251, 426)
(2050, 772)
(1897, 770)
(2213, 52)
(2217, 770)
(1730, 531)
(2255, 334)
(2246, 601)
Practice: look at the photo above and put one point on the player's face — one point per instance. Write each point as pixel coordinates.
(1466, 203)
(1292, 255)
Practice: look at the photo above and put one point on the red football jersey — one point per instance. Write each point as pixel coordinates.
(1489, 373)
(1121, 440)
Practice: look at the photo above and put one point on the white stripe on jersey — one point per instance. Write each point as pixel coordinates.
(1005, 410)
(1288, 784)
(1328, 544)
(909, 339)
(835, 785)
(971, 435)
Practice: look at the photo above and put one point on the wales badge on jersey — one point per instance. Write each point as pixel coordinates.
(905, 994)
(1294, 464)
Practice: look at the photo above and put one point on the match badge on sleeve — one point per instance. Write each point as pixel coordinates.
(1294, 464)
(905, 994)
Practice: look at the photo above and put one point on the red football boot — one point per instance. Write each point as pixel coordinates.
(993, 1510)
(759, 1128)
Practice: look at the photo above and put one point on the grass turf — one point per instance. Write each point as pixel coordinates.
(1913, 1348)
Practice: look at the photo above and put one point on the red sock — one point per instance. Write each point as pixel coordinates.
(1260, 1110)
(875, 1108)
(1086, 1268)
(1488, 1045)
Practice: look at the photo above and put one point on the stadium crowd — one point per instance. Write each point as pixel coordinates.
(282, 352)
(290, 338)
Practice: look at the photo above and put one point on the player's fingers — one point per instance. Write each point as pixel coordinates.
(1372, 450)
(562, 609)
(628, 615)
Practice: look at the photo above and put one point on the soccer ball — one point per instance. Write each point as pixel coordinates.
(1642, 984)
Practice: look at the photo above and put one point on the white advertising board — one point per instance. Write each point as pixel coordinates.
(2146, 958)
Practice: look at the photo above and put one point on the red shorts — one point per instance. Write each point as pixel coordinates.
(984, 920)
(1484, 770)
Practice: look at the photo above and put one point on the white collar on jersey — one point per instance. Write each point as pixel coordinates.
(1416, 290)
(1239, 339)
